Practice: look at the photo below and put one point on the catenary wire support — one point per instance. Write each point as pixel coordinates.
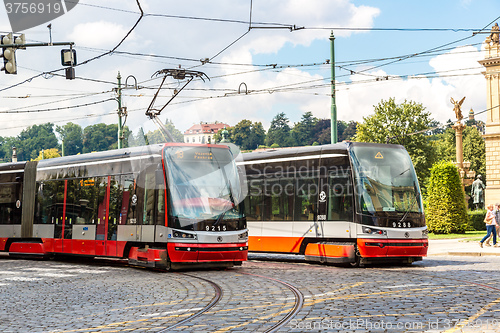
(178, 74)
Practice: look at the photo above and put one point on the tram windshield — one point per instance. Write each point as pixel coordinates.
(385, 180)
(204, 189)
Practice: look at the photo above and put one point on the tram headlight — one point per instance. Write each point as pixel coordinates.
(373, 231)
(185, 235)
(243, 236)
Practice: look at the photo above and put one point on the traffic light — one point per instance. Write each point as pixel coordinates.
(9, 53)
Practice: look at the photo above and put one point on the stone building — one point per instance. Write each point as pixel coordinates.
(491, 62)
(203, 132)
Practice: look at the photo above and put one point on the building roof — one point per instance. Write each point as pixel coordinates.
(205, 128)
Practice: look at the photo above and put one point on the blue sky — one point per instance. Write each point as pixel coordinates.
(96, 29)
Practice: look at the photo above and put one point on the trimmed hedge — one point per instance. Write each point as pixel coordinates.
(446, 212)
(476, 218)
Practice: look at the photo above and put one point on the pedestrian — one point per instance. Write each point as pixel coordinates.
(496, 211)
(489, 219)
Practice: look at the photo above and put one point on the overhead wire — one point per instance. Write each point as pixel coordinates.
(57, 109)
(86, 61)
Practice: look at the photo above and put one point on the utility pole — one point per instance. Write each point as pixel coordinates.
(333, 121)
(119, 99)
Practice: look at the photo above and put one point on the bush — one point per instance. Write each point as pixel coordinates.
(476, 218)
(275, 145)
(446, 212)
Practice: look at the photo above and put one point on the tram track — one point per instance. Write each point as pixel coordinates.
(299, 303)
(217, 297)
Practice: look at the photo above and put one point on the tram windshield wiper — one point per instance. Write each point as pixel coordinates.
(414, 201)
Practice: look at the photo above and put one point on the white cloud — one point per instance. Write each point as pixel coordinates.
(98, 34)
(458, 74)
(199, 39)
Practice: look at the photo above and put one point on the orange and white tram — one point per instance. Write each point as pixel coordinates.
(163, 206)
(340, 203)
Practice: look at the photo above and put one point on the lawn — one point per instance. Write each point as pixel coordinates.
(468, 234)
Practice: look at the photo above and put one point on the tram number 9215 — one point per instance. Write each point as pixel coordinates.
(401, 224)
(216, 228)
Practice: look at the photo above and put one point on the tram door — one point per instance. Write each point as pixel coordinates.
(57, 212)
(102, 184)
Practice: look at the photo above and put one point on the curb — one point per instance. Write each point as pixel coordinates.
(469, 254)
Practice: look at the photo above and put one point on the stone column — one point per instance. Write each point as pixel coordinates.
(492, 132)
(459, 127)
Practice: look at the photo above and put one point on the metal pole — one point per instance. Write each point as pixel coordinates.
(333, 122)
(119, 99)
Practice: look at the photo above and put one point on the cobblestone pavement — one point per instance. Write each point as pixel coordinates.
(439, 294)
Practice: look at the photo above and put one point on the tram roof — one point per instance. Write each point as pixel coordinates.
(12, 166)
(336, 148)
(104, 155)
(340, 147)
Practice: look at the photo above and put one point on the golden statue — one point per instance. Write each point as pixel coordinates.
(495, 32)
(456, 108)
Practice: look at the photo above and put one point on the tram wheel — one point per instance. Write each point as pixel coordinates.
(356, 263)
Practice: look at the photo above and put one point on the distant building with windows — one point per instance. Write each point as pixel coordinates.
(203, 132)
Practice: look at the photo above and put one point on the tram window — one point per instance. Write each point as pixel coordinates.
(128, 213)
(306, 198)
(160, 184)
(86, 201)
(46, 211)
(115, 203)
(254, 203)
(100, 207)
(149, 198)
(10, 213)
(278, 206)
(340, 198)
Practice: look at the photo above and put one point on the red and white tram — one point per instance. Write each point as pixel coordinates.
(163, 206)
(341, 203)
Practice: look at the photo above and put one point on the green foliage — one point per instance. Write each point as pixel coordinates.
(446, 212)
(279, 131)
(157, 136)
(444, 145)
(100, 137)
(474, 150)
(35, 138)
(392, 123)
(275, 145)
(476, 218)
(72, 136)
(246, 134)
(303, 131)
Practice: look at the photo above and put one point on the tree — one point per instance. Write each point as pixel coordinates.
(245, 134)
(6, 145)
(444, 145)
(323, 133)
(350, 131)
(446, 211)
(34, 139)
(392, 123)
(158, 137)
(303, 131)
(279, 131)
(100, 137)
(47, 153)
(72, 137)
(474, 150)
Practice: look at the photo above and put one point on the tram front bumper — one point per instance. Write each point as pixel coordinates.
(195, 252)
(377, 248)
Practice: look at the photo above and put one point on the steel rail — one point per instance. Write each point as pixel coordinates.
(299, 303)
(217, 297)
